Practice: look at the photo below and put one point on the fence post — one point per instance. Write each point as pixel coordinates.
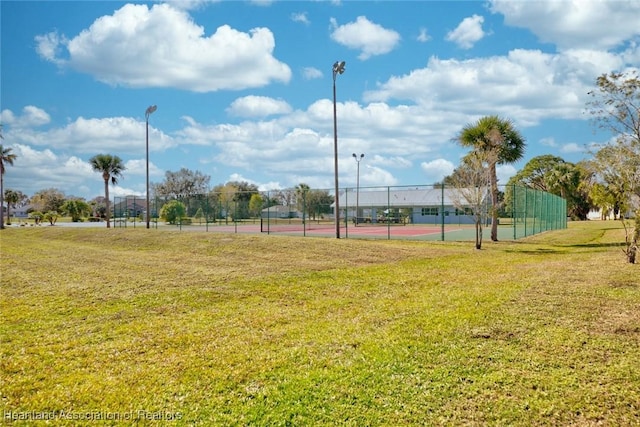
(526, 210)
(513, 210)
(388, 213)
(442, 212)
(346, 213)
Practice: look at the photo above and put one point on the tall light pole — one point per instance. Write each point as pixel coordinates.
(147, 113)
(338, 68)
(358, 185)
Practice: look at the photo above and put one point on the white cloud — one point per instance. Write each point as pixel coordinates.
(258, 106)
(575, 23)
(436, 170)
(189, 4)
(139, 167)
(549, 142)
(36, 170)
(122, 48)
(300, 17)
(85, 135)
(262, 2)
(370, 38)
(49, 46)
(572, 147)
(423, 36)
(393, 162)
(504, 173)
(373, 175)
(119, 191)
(34, 116)
(269, 186)
(297, 147)
(39, 169)
(310, 73)
(468, 32)
(31, 116)
(526, 85)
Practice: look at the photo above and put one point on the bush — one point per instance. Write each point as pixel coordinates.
(37, 216)
(51, 216)
(172, 211)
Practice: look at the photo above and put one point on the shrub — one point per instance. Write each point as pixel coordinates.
(172, 211)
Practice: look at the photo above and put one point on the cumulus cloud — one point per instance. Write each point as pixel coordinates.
(391, 136)
(139, 167)
(437, 169)
(505, 172)
(84, 135)
(31, 117)
(122, 48)
(45, 169)
(53, 168)
(189, 4)
(374, 175)
(394, 161)
(370, 38)
(49, 46)
(572, 147)
(258, 106)
(527, 85)
(309, 73)
(468, 32)
(574, 24)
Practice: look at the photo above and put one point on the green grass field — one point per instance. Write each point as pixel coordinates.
(129, 325)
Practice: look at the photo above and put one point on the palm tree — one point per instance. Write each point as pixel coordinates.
(6, 158)
(11, 197)
(501, 143)
(564, 179)
(111, 167)
(302, 191)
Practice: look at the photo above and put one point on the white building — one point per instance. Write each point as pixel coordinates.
(411, 205)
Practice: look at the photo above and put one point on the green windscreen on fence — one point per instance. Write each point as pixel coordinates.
(419, 212)
(534, 211)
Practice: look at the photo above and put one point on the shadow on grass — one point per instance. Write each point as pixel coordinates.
(564, 249)
(541, 251)
(596, 245)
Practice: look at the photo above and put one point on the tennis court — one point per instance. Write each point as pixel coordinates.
(449, 232)
(411, 213)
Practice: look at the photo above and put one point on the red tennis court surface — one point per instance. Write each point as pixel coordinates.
(379, 231)
(450, 232)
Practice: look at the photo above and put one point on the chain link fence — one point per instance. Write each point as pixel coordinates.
(421, 212)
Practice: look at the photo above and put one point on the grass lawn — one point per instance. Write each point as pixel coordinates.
(217, 329)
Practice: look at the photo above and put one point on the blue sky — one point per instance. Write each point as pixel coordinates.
(244, 88)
